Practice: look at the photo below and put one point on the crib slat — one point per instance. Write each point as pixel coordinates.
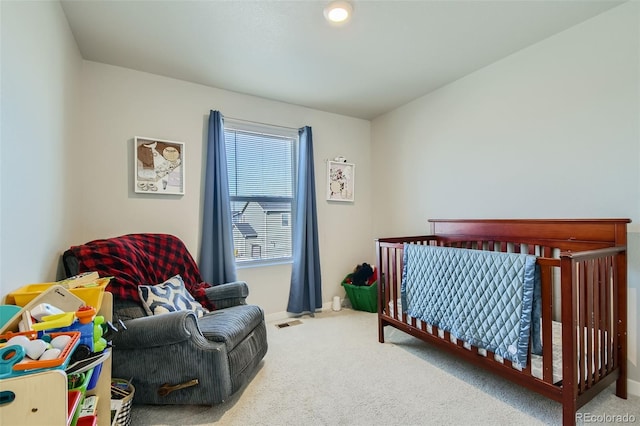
(590, 264)
(393, 270)
(597, 337)
(527, 368)
(610, 312)
(609, 327)
(610, 315)
(546, 285)
(581, 296)
(490, 354)
(386, 280)
(614, 326)
(508, 363)
(580, 330)
(602, 317)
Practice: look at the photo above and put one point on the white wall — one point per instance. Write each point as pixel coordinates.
(550, 131)
(40, 69)
(67, 129)
(118, 104)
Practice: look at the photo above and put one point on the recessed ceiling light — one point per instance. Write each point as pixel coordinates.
(338, 12)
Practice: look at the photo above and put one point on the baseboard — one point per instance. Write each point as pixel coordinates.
(633, 387)
(327, 306)
(277, 316)
(283, 315)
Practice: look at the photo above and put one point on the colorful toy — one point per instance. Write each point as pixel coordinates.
(99, 342)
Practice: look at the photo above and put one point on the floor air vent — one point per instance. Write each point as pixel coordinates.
(288, 323)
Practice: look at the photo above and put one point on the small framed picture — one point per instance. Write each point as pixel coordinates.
(340, 181)
(159, 166)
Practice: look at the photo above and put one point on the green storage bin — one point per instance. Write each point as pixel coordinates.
(362, 298)
(80, 387)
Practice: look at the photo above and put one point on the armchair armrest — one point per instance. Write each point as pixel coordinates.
(170, 349)
(161, 330)
(229, 294)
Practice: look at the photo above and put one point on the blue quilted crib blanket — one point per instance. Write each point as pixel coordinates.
(488, 299)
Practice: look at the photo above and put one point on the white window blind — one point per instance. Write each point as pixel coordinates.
(261, 165)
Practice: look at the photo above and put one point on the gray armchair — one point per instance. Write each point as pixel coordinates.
(177, 358)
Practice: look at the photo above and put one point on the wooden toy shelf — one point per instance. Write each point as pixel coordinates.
(43, 399)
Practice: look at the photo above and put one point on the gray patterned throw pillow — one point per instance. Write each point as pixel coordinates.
(169, 296)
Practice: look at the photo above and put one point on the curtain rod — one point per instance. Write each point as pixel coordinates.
(260, 123)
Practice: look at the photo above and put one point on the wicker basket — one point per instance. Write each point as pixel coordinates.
(122, 391)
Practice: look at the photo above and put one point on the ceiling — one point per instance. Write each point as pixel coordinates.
(391, 52)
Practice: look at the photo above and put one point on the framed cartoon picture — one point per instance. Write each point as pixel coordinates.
(340, 181)
(159, 166)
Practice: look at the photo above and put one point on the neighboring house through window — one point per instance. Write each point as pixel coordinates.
(261, 165)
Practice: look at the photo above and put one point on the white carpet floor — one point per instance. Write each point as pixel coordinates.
(331, 370)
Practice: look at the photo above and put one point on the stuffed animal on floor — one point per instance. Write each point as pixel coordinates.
(361, 274)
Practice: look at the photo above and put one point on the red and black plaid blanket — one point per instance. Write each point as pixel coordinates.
(141, 259)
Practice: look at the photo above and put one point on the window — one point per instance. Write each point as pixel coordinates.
(261, 167)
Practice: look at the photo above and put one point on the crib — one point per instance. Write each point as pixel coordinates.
(583, 281)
